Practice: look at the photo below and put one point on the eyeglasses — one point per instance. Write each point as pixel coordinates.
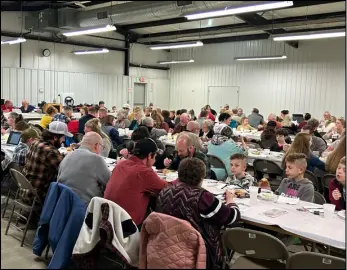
(101, 146)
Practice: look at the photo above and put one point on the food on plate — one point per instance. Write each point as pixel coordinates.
(264, 184)
(267, 196)
(69, 149)
(166, 171)
(240, 193)
(256, 153)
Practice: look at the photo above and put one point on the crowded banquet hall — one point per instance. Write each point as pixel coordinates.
(173, 135)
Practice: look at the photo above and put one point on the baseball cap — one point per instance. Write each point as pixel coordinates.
(126, 106)
(57, 127)
(146, 146)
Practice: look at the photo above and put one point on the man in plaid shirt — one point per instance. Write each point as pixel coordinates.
(65, 116)
(43, 158)
(28, 136)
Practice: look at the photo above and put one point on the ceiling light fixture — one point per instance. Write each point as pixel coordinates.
(87, 31)
(238, 10)
(13, 41)
(310, 35)
(91, 51)
(270, 57)
(176, 45)
(175, 62)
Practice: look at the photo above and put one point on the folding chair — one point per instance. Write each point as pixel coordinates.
(325, 185)
(217, 163)
(310, 176)
(319, 198)
(262, 166)
(312, 260)
(24, 187)
(260, 250)
(253, 145)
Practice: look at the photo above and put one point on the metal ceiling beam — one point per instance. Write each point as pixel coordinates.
(148, 66)
(183, 19)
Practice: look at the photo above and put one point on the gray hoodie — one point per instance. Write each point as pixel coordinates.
(244, 182)
(302, 189)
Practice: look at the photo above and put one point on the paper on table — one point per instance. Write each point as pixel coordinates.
(273, 213)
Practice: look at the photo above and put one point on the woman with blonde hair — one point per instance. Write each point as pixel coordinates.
(138, 116)
(335, 156)
(337, 130)
(301, 145)
(159, 122)
(286, 119)
(95, 125)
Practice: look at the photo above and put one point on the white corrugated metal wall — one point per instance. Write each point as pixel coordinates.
(312, 79)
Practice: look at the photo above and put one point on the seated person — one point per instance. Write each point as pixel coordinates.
(133, 181)
(193, 127)
(188, 201)
(197, 142)
(84, 170)
(167, 119)
(138, 115)
(296, 185)
(244, 125)
(281, 135)
(318, 144)
(206, 132)
(43, 158)
(336, 131)
(26, 108)
(334, 157)
(223, 147)
(94, 124)
(182, 125)
(307, 117)
(28, 136)
(202, 118)
(7, 106)
(239, 176)
(224, 121)
(314, 123)
(111, 131)
(156, 133)
(92, 113)
(301, 145)
(102, 114)
(185, 149)
(159, 122)
(337, 187)
(4, 123)
(22, 125)
(122, 121)
(65, 116)
(328, 123)
(333, 145)
(273, 117)
(48, 117)
(268, 136)
(12, 120)
(255, 119)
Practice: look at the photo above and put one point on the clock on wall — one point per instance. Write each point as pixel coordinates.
(46, 52)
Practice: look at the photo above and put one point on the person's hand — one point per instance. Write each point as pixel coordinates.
(170, 130)
(3, 131)
(260, 127)
(167, 162)
(124, 152)
(336, 195)
(286, 147)
(74, 146)
(229, 196)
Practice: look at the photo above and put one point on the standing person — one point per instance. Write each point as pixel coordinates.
(182, 125)
(122, 121)
(188, 201)
(255, 119)
(95, 125)
(337, 187)
(167, 119)
(43, 158)
(111, 131)
(65, 116)
(7, 106)
(84, 167)
(92, 113)
(134, 178)
(48, 117)
(26, 108)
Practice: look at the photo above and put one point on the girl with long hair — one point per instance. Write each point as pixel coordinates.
(95, 125)
(335, 156)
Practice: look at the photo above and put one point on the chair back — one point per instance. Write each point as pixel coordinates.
(217, 163)
(169, 149)
(251, 243)
(21, 181)
(113, 154)
(327, 178)
(310, 176)
(313, 260)
(253, 145)
(267, 166)
(319, 198)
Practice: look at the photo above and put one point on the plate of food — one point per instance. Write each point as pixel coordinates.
(241, 193)
(267, 195)
(342, 214)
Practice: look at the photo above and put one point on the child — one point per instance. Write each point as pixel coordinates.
(239, 177)
(281, 134)
(296, 185)
(337, 187)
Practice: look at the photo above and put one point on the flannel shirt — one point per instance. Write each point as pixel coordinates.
(19, 153)
(61, 117)
(41, 167)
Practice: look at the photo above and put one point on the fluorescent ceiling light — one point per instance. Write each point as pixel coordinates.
(176, 45)
(175, 62)
(13, 41)
(91, 51)
(270, 57)
(239, 10)
(86, 31)
(310, 35)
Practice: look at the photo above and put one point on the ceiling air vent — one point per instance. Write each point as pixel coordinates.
(102, 15)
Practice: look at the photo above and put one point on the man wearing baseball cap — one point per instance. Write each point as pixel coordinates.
(133, 180)
(43, 158)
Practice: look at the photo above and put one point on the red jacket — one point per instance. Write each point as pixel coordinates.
(340, 204)
(6, 109)
(130, 186)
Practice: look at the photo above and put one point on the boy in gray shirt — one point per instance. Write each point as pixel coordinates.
(296, 185)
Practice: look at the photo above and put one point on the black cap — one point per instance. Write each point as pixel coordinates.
(144, 147)
(271, 123)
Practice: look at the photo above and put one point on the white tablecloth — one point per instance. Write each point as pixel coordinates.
(305, 224)
(273, 156)
(164, 139)
(254, 135)
(28, 116)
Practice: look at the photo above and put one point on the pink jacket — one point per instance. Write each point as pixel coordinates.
(170, 243)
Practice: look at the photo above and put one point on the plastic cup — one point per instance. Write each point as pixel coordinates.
(329, 210)
(253, 193)
(169, 136)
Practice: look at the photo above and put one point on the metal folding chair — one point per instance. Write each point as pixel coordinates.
(262, 166)
(217, 163)
(325, 185)
(24, 187)
(313, 260)
(319, 198)
(310, 176)
(250, 244)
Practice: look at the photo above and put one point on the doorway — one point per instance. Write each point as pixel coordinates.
(140, 95)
